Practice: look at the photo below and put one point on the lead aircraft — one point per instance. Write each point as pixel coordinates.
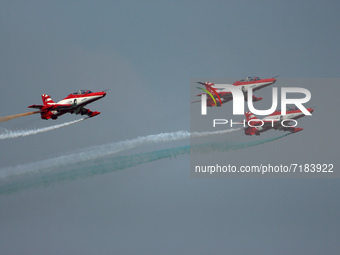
(221, 97)
(275, 121)
(73, 103)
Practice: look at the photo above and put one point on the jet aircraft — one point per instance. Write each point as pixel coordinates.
(275, 121)
(221, 97)
(73, 103)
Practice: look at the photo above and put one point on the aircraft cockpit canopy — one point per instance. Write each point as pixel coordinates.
(82, 92)
(251, 78)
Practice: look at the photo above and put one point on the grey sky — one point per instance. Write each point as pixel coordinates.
(145, 53)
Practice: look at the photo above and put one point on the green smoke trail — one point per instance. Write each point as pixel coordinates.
(108, 165)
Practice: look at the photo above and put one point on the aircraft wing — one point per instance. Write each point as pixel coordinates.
(290, 129)
(35, 106)
(223, 94)
(226, 95)
(267, 123)
(51, 107)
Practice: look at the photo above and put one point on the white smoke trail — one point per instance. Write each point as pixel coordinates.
(116, 163)
(17, 133)
(103, 150)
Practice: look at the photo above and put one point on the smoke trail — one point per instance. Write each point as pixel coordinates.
(102, 151)
(96, 167)
(124, 162)
(3, 119)
(14, 134)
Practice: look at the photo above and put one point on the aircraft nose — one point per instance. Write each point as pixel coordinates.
(274, 80)
(311, 110)
(104, 94)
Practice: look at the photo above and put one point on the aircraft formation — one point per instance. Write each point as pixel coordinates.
(75, 104)
(254, 126)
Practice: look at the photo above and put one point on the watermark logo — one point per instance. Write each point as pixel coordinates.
(238, 99)
(210, 90)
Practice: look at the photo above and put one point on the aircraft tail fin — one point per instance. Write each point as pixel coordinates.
(211, 91)
(252, 119)
(47, 99)
(250, 116)
(208, 85)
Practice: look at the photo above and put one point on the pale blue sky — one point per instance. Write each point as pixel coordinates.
(145, 53)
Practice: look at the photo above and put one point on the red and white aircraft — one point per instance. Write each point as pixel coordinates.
(73, 103)
(220, 97)
(273, 121)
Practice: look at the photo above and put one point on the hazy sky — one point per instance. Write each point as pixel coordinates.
(145, 53)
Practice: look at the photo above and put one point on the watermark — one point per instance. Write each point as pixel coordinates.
(255, 123)
(258, 139)
(238, 99)
(312, 169)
